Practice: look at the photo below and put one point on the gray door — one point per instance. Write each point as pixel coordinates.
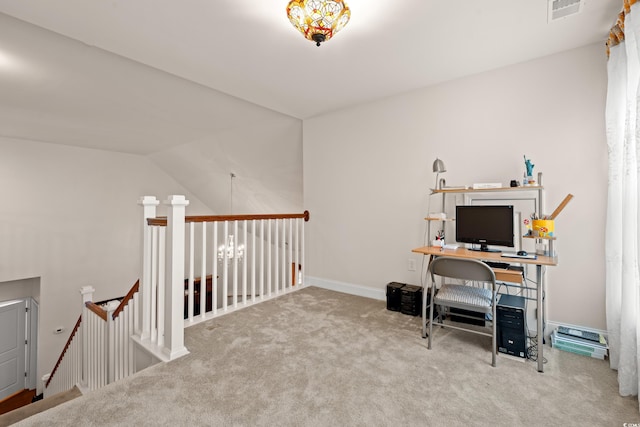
(12, 347)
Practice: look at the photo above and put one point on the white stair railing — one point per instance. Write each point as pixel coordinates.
(124, 326)
(67, 371)
(226, 262)
(233, 261)
(252, 258)
(99, 350)
(95, 348)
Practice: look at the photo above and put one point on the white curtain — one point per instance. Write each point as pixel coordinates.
(622, 239)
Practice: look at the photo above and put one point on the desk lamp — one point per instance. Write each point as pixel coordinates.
(438, 167)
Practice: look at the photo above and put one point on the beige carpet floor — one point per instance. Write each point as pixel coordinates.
(321, 358)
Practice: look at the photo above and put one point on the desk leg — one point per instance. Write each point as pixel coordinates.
(540, 295)
(426, 288)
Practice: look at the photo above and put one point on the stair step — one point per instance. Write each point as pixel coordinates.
(16, 400)
(30, 409)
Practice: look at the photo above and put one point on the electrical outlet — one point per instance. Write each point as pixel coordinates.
(411, 264)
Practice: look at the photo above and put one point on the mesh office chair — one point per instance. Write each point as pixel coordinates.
(461, 296)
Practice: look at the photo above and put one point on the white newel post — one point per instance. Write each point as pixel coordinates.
(87, 296)
(174, 289)
(111, 342)
(148, 204)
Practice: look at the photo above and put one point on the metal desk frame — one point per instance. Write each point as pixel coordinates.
(505, 275)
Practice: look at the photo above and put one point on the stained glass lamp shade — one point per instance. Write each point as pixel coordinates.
(318, 20)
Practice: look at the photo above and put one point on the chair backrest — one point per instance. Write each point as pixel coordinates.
(462, 268)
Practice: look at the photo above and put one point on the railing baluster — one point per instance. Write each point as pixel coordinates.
(261, 276)
(214, 277)
(122, 343)
(79, 351)
(297, 269)
(98, 357)
(225, 268)
(92, 335)
(285, 270)
(191, 270)
(95, 346)
(269, 258)
(102, 352)
(159, 315)
(276, 261)
(155, 247)
(235, 264)
(292, 276)
(253, 261)
(302, 258)
(244, 263)
(134, 316)
(203, 274)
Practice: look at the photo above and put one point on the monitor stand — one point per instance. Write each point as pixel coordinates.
(484, 248)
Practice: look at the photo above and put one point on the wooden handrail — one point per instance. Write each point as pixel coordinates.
(97, 310)
(162, 221)
(126, 299)
(64, 350)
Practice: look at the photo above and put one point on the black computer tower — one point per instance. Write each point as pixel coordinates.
(394, 296)
(512, 336)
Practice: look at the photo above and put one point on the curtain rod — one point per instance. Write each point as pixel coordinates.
(616, 34)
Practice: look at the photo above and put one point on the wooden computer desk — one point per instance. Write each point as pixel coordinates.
(506, 276)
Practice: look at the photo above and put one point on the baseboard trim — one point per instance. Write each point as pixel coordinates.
(347, 288)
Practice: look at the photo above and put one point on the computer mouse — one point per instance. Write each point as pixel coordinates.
(522, 253)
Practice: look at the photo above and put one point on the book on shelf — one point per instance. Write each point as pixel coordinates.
(486, 185)
(437, 215)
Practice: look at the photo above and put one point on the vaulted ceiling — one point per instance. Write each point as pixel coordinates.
(172, 79)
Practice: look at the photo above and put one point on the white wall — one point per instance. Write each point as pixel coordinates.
(69, 216)
(367, 172)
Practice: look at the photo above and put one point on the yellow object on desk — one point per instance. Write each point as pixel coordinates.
(543, 227)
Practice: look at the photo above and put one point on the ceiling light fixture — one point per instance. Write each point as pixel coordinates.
(230, 251)
(318, 20)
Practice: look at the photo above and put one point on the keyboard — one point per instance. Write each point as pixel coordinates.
(515, 255)
(494, 264)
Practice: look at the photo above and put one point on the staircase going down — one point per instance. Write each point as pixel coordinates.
(29, 409)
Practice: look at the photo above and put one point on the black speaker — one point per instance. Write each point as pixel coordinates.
(411, 300)
(394, 296)
(512, 336)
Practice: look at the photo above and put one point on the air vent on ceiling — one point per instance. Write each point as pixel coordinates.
(559, 9)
